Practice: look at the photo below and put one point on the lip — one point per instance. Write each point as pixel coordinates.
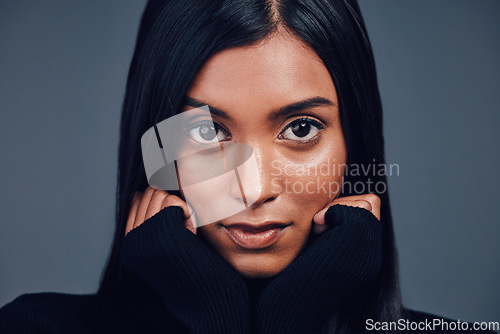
(255, 236)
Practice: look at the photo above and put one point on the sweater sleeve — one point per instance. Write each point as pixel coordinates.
(197, 286)
(336, 264)
(46, 312)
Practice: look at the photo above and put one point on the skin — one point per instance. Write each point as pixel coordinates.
(249, 83)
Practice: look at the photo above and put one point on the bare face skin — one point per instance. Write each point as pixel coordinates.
(249, 84)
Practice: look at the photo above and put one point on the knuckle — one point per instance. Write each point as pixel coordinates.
(172, 200)
(373, 199)
(159, 194)
(159, 191)
(364, 204)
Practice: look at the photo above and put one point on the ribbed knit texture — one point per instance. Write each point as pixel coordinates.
(198, 287)
(51, 313)
(339, 261)
(195, 286)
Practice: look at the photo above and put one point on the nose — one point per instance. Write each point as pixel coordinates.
(254, 179)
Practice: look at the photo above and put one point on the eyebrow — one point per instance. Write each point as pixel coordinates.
(317, 101)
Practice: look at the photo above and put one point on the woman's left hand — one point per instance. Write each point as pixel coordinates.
(338, 263)
(370, 202)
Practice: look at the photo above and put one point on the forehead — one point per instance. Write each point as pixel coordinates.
(273, 72)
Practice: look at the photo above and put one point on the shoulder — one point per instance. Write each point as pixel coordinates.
(432, 323)
(48, 312)
(53, 313)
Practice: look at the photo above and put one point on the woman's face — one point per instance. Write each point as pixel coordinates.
(299, 152)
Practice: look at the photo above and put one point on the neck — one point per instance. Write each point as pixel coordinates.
(255, 287)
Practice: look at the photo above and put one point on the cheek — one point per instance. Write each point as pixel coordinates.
(305, 182)
(311, 181)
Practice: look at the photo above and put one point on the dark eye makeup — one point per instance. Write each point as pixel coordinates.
(304, 130)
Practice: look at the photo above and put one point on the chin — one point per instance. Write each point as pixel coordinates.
(259, 265)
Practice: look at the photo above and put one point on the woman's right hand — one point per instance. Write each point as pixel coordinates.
(146, 205)
(196, 284)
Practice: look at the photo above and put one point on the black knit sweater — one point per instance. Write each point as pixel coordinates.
(174, 283)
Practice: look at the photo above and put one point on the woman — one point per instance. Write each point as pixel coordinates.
(296, 82)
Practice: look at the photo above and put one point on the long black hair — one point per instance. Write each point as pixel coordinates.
(176, 38)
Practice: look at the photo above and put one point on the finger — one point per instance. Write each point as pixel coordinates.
(370, 202)
(143, 206)
(189, 216)
(192, 222)
(133, 212)
(319, 217)
(155, 204)
(357, 203)
(375, 204)
(319, 228)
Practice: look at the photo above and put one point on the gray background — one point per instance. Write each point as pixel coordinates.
(63, 68)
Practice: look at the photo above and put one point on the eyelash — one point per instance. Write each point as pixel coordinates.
(198, 124)
(312, 122)
(309, 142)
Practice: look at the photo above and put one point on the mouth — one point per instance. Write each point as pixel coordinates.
(255, 236)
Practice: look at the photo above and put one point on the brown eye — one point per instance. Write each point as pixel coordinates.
(302, 129)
